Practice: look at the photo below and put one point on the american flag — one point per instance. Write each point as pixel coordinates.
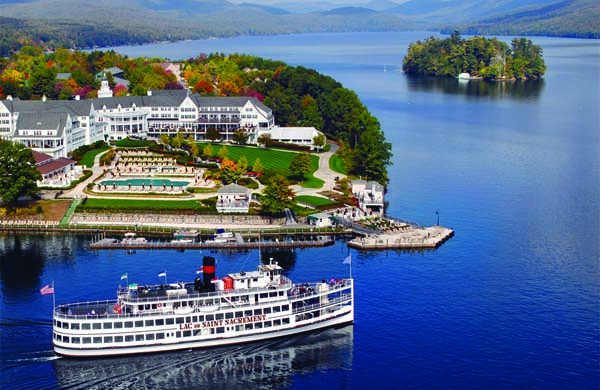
(47, 289)
(199, 270)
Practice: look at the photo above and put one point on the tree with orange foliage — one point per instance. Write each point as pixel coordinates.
(229, 172)
(204, 87)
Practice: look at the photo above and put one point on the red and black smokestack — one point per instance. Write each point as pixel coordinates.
(208, 269)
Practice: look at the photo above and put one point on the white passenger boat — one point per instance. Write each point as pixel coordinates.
(237, 308)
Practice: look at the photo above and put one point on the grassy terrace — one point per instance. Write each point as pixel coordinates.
(274, 161)
(88, 158)
(153, 205)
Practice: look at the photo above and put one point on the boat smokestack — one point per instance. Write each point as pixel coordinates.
(209, 269)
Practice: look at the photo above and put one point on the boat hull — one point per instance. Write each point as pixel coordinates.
(339, 320)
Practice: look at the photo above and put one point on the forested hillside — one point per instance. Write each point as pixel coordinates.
(298, 96)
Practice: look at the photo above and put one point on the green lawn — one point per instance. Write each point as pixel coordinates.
(274, 161)
(337, 165)
(137, 204)
(314, 201)
(88, 157)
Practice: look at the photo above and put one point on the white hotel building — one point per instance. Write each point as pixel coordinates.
(58, 127)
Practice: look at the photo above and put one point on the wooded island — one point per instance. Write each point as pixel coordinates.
(480, 57)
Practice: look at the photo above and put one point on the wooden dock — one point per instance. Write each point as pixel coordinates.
(413, 238)
(111, 243)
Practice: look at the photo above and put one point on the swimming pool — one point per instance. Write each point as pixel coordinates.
(144, 182)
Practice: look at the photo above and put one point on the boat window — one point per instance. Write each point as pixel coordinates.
(187, 333)
(128, 338)
(239, 328)
(87, 326)
(170, 321)
(87, 340)
(150, 336)
(276, 322)
(76, 340)
(239, 314)
(267, 310)
(273, 294)
(97, 340)
(58, 324)
(258, 325)
(257, 312)
(267, 324)
(276, 309)
(65, 325)
(281, 293)
(108, 339)
(285, 307)
(200, 318)
(160, 336)
(197, 332)
(248, 313)
(139, 324)
(117, 325)
(180, 320)
(220, 330)
(107, 325)
(249, 326)
(74, 325)
(264, 295)
(160, 322)
(118, 339)
(96, 325)
(149, 322)
(219, 316)
(65, 339)
(210, 317)
(178, 334)
(229, 315)
(195, 318)
(188, 319)
(129, 324)
(139, 337)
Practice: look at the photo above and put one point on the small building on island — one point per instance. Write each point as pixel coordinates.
(233, 198)
(369, 195)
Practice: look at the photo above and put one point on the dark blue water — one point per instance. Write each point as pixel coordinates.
(511, 302)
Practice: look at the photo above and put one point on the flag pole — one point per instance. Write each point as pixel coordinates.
(53, 298)
(165, 277)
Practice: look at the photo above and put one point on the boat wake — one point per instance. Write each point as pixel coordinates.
(270, 365)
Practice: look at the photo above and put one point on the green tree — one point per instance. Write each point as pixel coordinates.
(319, 140)
(176, 142)
(194, 149)
(265, 139)
(310, 113)
(240, 136)
(18, 172)
(207, 152)
(164, 139)
(223, 152)
(257, 166)
(212, 134)
(242, 164)
(300, 164)
(372, 154)
(277, 196)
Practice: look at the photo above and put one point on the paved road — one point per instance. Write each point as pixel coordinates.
(324, 173)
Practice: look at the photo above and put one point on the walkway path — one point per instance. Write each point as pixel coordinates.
(324, 173)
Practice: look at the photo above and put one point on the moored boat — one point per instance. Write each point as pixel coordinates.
(239, 307)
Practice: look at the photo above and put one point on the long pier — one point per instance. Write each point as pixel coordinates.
(111, 243)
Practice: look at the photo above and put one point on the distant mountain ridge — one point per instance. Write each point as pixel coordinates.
(110, 22)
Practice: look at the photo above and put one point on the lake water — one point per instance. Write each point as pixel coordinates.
(511, 302)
